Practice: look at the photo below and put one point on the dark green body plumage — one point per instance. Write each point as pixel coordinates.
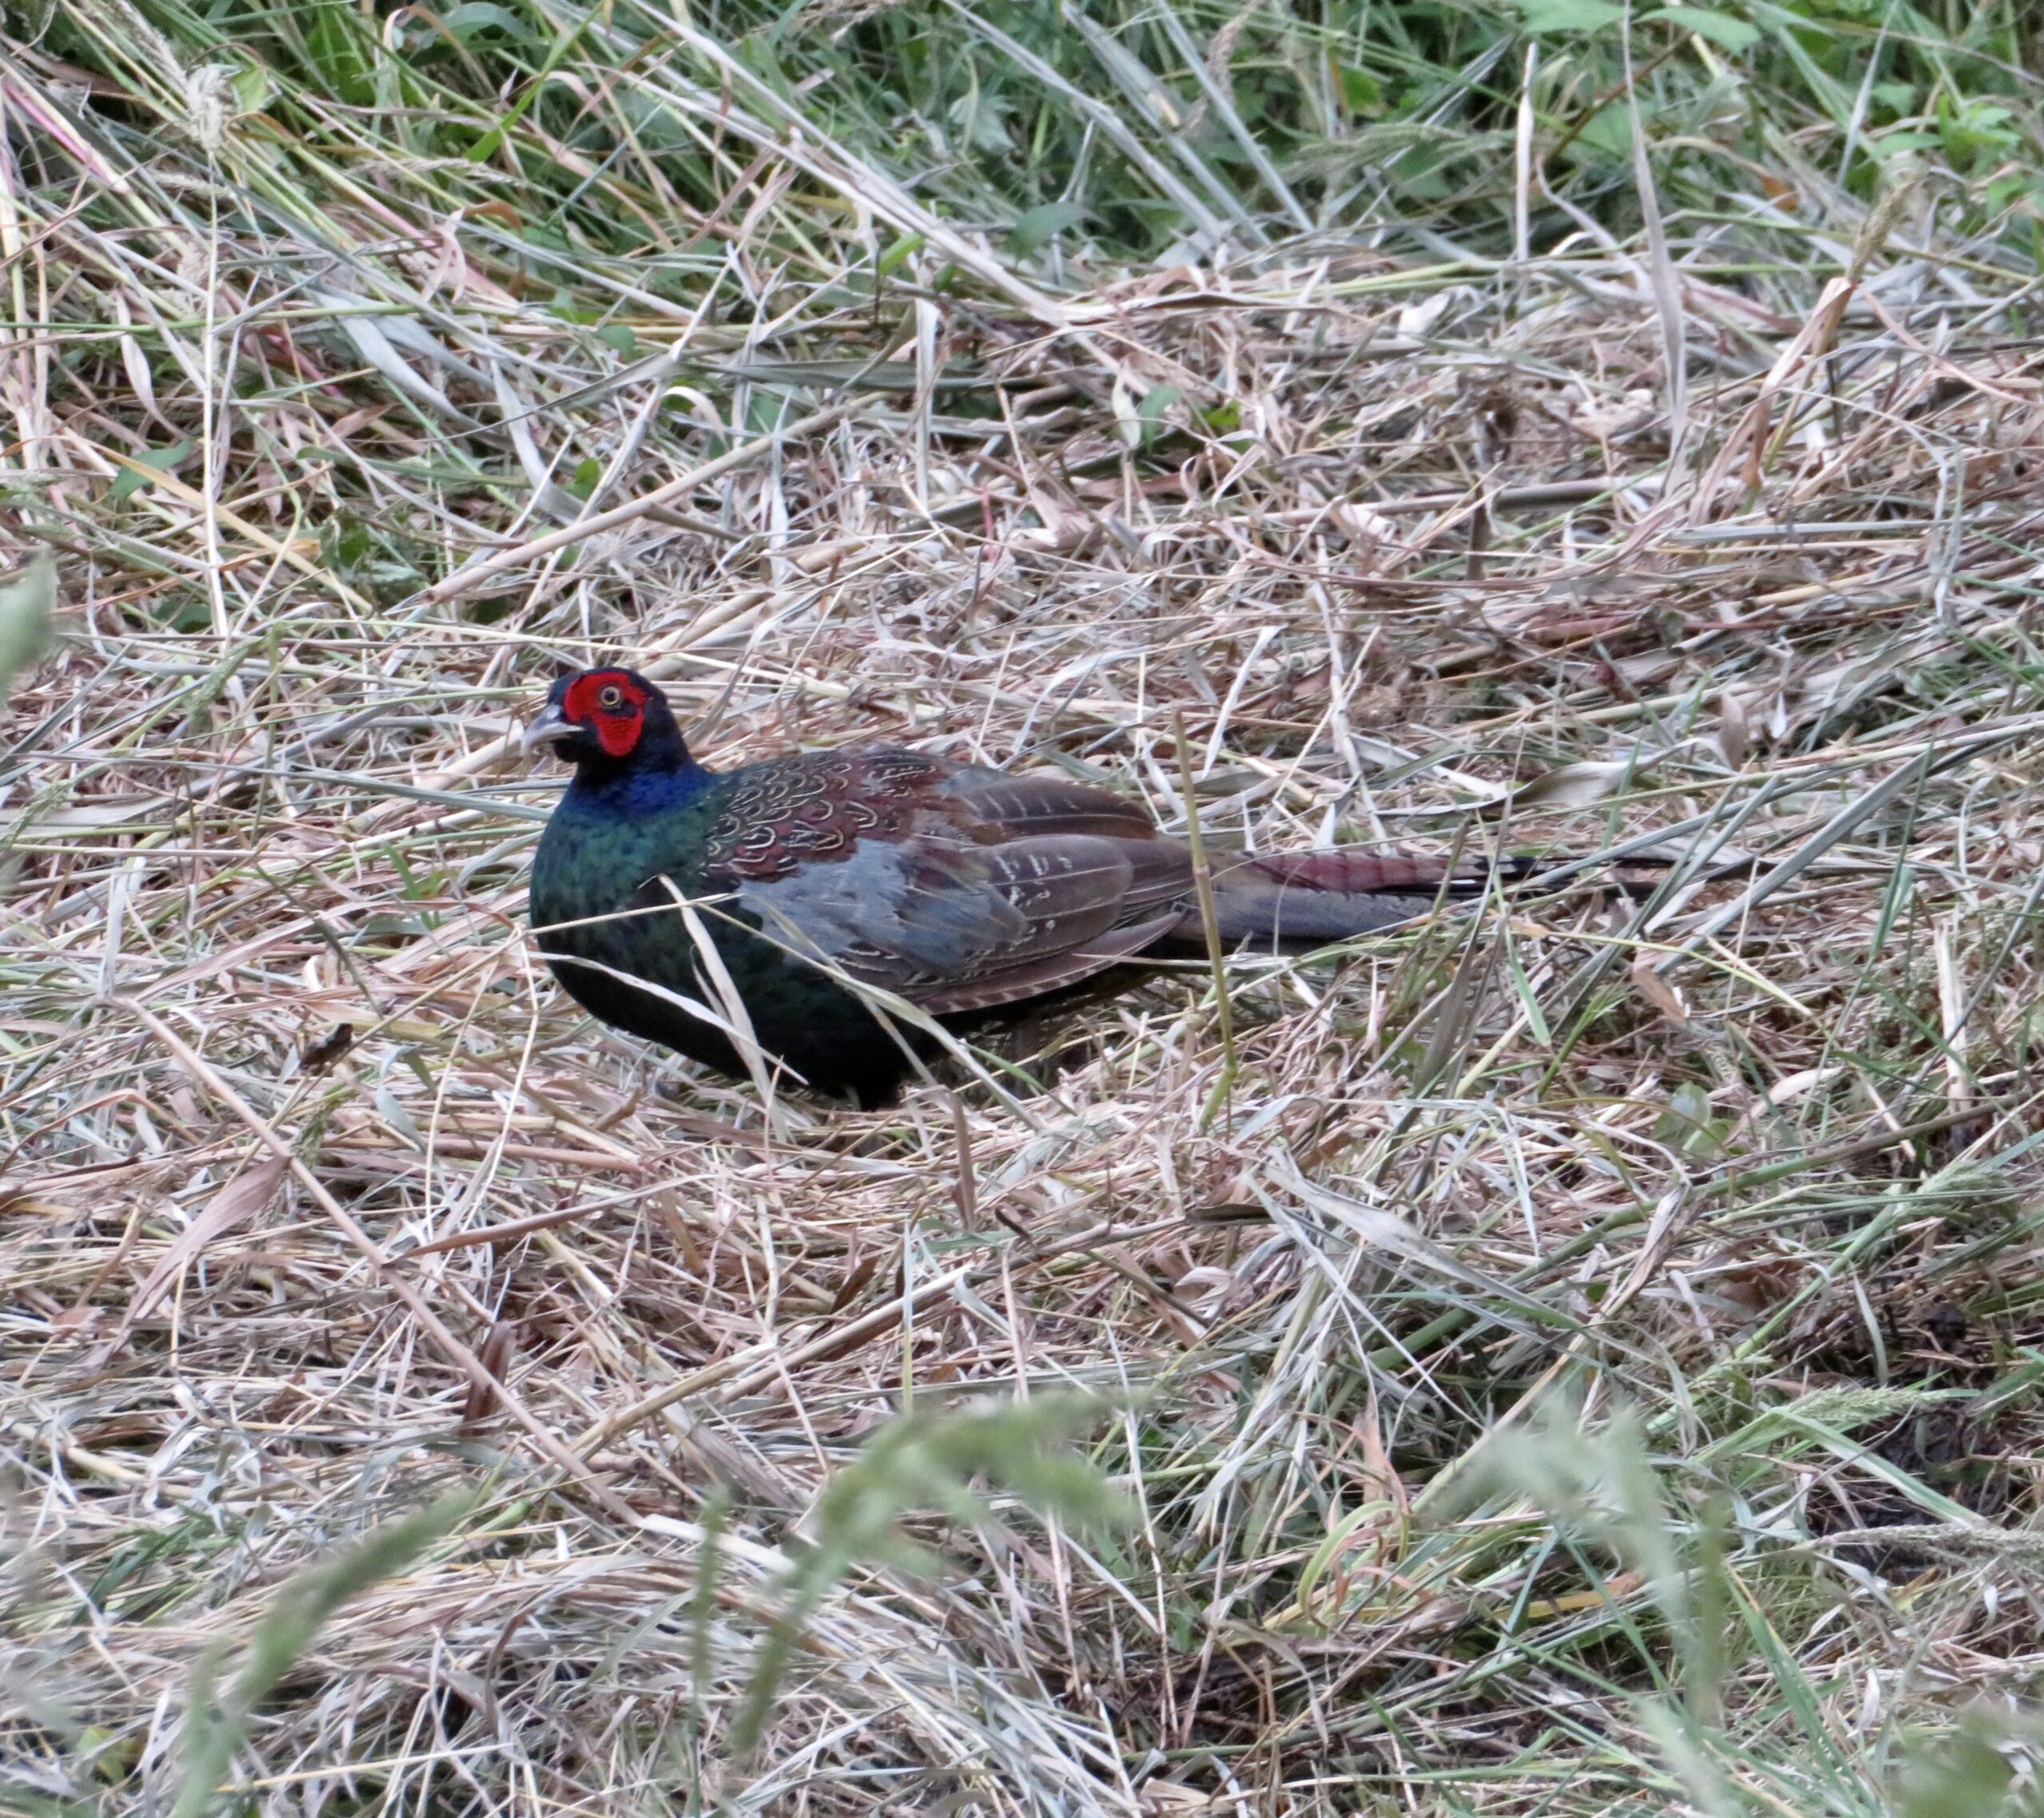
(596, 896)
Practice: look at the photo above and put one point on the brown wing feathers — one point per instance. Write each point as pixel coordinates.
(1013, 806)
(1288, 898)
(997, 888)
(1052, 972)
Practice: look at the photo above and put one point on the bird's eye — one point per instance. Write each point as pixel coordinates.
(610, 700)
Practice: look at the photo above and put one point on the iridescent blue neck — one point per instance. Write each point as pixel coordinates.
(637, 788)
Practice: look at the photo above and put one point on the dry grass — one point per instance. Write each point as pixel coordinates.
(1406, 549)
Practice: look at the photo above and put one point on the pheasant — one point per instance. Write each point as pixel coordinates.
(958, 888)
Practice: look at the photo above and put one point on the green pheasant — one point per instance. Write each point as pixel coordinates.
(958, 888)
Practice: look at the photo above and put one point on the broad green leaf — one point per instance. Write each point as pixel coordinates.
(1720, 28)
(1042, 224)
(1569, 15)
(334, 40)
(129, 481)
(252, 88)
(1156, 401)
(903, 248)
(1885, 145)
(25, 603)
(1149, 411)
(473, 16)
(1687, 1123)
(1609, 130)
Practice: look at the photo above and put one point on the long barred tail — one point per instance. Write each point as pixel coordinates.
(1293, 898)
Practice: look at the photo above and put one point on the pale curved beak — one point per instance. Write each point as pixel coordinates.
(548, 731)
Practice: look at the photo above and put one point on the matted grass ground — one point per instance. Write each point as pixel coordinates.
(1580, 1356)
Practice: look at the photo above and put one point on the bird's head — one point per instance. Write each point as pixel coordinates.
(606, 720)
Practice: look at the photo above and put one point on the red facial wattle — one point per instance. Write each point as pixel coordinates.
(611, 705)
